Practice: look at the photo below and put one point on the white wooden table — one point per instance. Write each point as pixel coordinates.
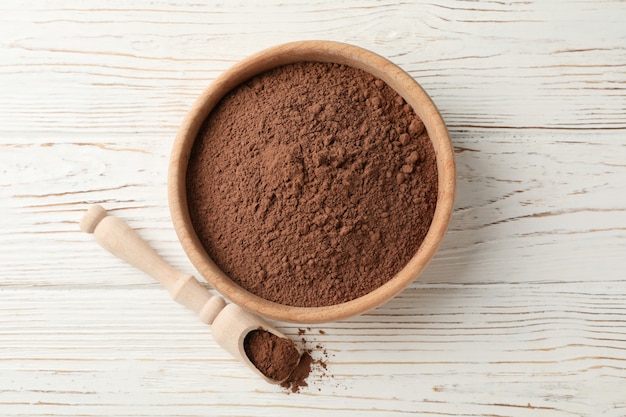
(522, 312)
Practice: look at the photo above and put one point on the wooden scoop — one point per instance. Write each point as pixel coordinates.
(229, 323)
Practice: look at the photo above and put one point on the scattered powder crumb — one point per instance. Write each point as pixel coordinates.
(313, 360)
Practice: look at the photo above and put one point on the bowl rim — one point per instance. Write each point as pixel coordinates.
(321, 51)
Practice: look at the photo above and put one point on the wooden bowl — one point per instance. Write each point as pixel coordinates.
(321, 51)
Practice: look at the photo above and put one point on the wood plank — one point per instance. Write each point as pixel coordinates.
(521, 313)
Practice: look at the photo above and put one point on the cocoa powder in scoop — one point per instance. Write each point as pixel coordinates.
(312, 184)
(274, 356)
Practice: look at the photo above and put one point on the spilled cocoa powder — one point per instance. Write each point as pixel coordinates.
(312, 184)
(298, 378)
(274, 356)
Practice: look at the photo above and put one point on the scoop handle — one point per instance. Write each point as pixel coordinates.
(117, 237)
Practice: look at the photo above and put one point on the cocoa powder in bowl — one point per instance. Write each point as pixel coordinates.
(312, 184)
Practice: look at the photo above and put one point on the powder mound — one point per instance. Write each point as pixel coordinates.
(312, 184)
(274, 356)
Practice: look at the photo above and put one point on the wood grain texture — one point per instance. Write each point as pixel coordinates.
(521, 313)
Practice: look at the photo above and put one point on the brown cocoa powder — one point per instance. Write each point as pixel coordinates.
(313, 360)
(298, 378)
(276, 357)
(312, 184)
